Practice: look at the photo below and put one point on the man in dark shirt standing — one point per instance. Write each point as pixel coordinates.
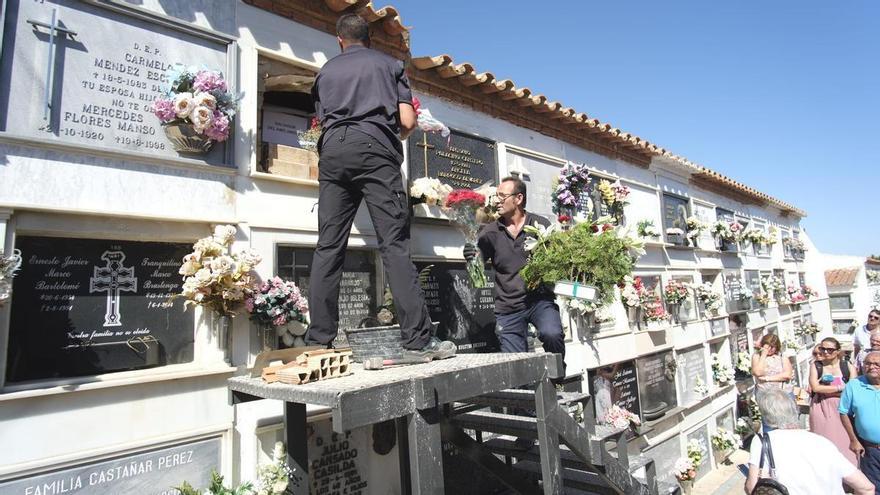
(515, 306)
(363, 101)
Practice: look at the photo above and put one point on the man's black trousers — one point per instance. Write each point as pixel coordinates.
(354, 166)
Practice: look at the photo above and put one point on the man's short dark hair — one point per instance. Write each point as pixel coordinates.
(352, 27)
(874, 311)
(519, 187)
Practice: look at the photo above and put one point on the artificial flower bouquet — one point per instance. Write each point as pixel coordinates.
(646, 228)
(308, 139)
(8, 266)
(273, 478)
(215, 278)
(684, 470)
(807, 329)
(722, 372)
(614, 196)
(197, 97)
(462, 206)
(725, 440)
(619, 417)
(572, 182)
(695, 228)
(276, 303)
(676, 291)
(430, 191)
(710, 298)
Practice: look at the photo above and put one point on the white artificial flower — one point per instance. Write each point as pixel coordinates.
(183, 104)
(224, 234)
(201, 117)
(222, 265)
(205, 100)
(190, 266)
(203, 277)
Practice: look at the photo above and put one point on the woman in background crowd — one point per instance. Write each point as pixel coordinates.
(769, 368)
(828, 377)
(862, 335)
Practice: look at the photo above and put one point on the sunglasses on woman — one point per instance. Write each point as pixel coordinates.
(828, 350)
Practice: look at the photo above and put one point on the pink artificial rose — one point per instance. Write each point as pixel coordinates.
(206, 80)
(249, 304)
(279, 320)
(164, 109)
(219, 128)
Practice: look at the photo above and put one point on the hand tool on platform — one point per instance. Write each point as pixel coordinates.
(378, 363)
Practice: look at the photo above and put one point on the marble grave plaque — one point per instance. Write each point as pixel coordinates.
(104, 78)
(154, 472)
(656, 378)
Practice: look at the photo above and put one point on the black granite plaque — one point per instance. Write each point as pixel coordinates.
(466, 315)
(656, 378)
(88, 306)
(463, 161)
(153, 472)
(614, 384)
(357, 297)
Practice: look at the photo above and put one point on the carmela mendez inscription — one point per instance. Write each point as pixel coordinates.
(106, 77)
(86, 306)
(149, 473)
(462, 161)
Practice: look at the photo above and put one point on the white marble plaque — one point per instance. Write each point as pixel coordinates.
(105, 77)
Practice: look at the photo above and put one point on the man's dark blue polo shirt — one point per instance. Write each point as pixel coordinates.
(508, 257)
(360, 89)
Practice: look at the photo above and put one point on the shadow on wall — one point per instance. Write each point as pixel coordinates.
(218, 15)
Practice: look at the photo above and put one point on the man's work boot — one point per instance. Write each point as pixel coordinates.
(434, 349)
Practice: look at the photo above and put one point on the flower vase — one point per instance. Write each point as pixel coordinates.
(267, 338)
(223, 331)
(687, 486)
(721, 455)
(588, 320)
(674, 309)
(185, 139)
(635, 429)
(634, 314)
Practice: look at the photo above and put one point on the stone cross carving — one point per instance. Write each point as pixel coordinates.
(113, 278)
(54, 30)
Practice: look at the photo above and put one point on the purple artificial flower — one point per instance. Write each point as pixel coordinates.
(164, 109)
(206, 80)
(219, 128)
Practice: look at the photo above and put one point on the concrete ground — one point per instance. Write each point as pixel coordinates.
(727, 479)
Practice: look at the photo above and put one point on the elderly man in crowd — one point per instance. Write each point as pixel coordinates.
(806, 463)
(861, 398)
(875, 346)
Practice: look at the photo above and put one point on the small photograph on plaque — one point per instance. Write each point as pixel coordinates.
(614, 384)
